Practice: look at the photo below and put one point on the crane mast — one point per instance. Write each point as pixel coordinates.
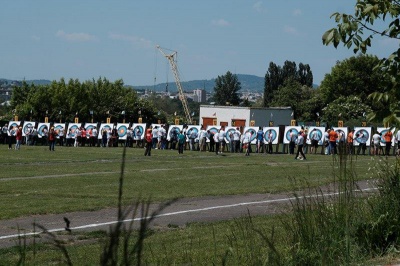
(174, 68)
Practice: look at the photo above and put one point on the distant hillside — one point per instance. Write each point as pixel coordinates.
(248, 83)
(34, 81)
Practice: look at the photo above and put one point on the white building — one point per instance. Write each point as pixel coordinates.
(244, 116)
(199, 96)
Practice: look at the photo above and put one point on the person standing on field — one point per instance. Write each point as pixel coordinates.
(52, 135)
(388, 140)
(181, 142)
(149, 142)
(300, 144)
(18, 138)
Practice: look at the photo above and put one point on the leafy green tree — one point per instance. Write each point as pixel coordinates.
(353, 76)
(357, 31)
(345, 108)
(276, 77)
(61, 100)
(299, 97)
(226, 89)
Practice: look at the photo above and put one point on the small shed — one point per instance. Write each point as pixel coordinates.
(238, 116)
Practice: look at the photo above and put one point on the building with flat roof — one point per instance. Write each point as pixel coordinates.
(199, 96)
(244, 116)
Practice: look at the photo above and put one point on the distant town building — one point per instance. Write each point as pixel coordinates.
(199, 95)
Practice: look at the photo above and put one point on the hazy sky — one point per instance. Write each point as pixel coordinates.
(85, 39)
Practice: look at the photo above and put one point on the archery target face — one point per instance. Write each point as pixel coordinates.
(58, 128)
(27, 126)
(365, 135)
(138, 131)
(41, 129)
(294, 131)
(253, 134)
(13, 124)
(73, 129)
(122, 131)
(320, 135)
(229, 132)
(195, 129)
(274, 135)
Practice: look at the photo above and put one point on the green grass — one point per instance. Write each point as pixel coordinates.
(196, 244)
(37, 181)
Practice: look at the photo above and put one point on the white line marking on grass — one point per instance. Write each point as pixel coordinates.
(55, 176)
(176, 213)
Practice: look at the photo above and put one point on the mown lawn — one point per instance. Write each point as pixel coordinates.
(36, 181)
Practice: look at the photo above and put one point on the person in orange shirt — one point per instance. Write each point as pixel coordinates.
(350, 138)
(333, 135)
(388, 140)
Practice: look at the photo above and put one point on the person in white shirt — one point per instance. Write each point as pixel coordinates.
(162, 133)
(94, 136)
(300, 144)
(155, 137)
(376, 141)
(247, 142)
(236, 139)
(221, 138)
(202, 139)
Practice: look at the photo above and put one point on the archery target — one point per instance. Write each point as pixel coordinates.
(41, 128)
(122, 131)
(253, 131)
(295, 130)
(274, 135)
(27, 126)
(14, 124)
(320, 134)
(173, 129)
(364, 134)
(228, 133)
(138, 131)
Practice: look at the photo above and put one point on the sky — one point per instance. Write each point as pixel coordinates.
(88, 39)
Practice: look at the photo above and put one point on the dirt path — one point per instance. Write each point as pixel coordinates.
(179, 213)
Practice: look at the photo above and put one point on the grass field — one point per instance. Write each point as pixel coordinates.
(36, 181)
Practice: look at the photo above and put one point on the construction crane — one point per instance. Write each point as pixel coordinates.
(172, 61)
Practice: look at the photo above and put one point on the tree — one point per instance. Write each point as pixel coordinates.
(58, 99)
(276, 77)
(226, 89)
(299, 97)
(345, 108)
(353, 76)
(357, 32)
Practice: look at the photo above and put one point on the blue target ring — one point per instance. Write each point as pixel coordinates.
(13, 125)
(319, 135)
(176, 129)
(294, 130)
(214, 130)
(273, 133)
(364, 133)
(89, 127)
(253, 134)
(339, 131)
(73, 130)
(383, 132)
(228, 133)
(192, 129)
(27, 127)
(138, 131)
(58, 128)
(40, 130)
(122, 130)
